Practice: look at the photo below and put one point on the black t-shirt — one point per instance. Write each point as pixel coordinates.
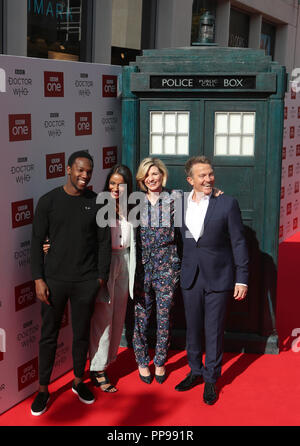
(79, 249)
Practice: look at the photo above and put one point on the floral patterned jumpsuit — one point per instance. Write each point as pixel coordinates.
(157, 275)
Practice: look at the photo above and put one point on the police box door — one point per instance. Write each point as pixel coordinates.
(232, 133)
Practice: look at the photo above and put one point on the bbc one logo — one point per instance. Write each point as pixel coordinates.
(295, 223)
(27, 374)
(2, 343)
(22, 213)
(83, 123)
(53, 84)
(55, 165)
(19, 127)
(109, 157)
(24, 295)
(109, 86)
(281, 231)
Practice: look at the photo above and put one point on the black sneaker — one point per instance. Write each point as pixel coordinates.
(39, 405)
(83, 392)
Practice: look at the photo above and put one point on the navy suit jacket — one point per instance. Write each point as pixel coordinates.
(220, 255)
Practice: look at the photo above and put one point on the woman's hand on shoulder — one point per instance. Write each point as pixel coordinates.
(217, 192)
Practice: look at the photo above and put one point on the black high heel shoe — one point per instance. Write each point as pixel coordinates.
(146, 379)
(96, 383)
(161, 378)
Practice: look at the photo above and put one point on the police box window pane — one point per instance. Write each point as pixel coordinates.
(221, 145)
(59, 29)
(170, 145)
(221, 123)
(183, 122)
(248, 123)
(247, 145)
(234, 145)
(182, 145)
(156, 144)
(234, 123)
(156, 122)
(170, 123)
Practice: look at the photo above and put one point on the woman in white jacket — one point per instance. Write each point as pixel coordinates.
(110, 311)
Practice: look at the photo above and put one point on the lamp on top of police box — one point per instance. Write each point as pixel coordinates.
(206, 35)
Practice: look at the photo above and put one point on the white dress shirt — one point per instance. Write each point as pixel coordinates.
(195, 216)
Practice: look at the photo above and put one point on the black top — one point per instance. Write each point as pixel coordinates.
(79, 249)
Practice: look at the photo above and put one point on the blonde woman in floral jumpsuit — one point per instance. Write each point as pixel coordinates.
(158, 267)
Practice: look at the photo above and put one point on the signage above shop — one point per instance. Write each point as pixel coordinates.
(50, 8)
(202, 82)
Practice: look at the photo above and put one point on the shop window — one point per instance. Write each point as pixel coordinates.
(267, 38)
(169, 133)
(234, 133)
(59, 29)
(238, 29)
(126, 31)
(133, 29)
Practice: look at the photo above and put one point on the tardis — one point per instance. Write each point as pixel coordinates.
(226, 104)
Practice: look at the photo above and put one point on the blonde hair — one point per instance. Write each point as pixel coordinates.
(143, 170)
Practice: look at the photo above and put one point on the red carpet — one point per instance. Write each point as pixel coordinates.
(288, 291)
(255, 390)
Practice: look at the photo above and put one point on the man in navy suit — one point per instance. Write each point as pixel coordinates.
(214, 268)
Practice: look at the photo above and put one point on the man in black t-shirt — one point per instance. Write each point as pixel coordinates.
(76, 265)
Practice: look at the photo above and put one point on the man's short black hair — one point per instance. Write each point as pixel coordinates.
(79, 154)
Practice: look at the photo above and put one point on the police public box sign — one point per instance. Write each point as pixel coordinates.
(202, 82)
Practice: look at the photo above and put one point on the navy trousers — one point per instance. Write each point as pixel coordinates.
(205, 313)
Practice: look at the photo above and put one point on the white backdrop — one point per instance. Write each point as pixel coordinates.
(290, 180)
(48, 110)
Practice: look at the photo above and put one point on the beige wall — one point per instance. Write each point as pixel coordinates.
(127, 23)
